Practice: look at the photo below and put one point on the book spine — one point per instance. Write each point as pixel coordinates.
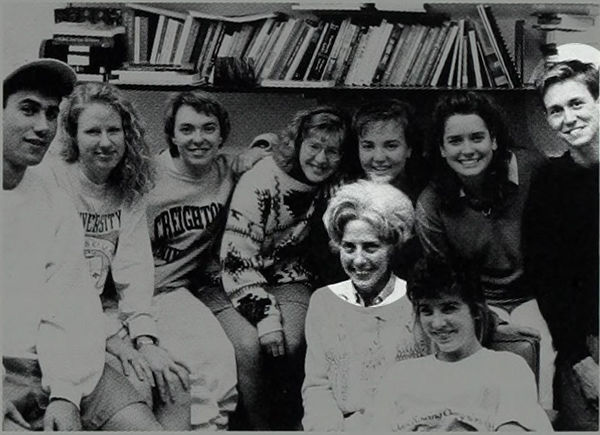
(324, 51)
(505, 56)
(411, 54)
(291, 56)
(186, 56)
(289, 49)
(128, 21)
(358, 55)
(336, 70)
(492, 59)
(474, 58)
(453, 61)
(213, 50)
(434, 54)
(371, 58)
(278, 47)
(360, 34)
(335, 50)
(443, 60)
(387, 52)
(423, 52)
(182, 39)
(267, 51)
(157, 38)
(144, 39)
(309, 52)
(176, 39)
(312, 28)
(396, 54)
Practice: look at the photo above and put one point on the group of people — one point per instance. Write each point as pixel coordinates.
(342, 277)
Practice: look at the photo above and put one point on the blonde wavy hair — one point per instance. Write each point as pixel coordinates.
(382, 205)
(134, 175)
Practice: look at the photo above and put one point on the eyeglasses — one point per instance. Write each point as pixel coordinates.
(313, 149)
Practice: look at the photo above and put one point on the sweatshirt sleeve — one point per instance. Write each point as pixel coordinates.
(71, 341)
(133, 272)
(242, 259)
(519, 399)
(429, 226)
(321, 411)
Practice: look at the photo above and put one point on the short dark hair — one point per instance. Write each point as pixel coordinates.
(201, 102)
(434, 277)
(586, 73)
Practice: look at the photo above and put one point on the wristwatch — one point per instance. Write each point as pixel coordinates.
(143, 340)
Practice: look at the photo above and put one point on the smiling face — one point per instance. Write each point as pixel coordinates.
(467, 145)
(319, 156)
(29, 126)
(197, 137)
(572, 112)
(101, 141)
(382, 150)
(448, 321)
(365, 258)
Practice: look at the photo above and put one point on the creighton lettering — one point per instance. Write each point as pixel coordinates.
(177, 220)
(94, 223)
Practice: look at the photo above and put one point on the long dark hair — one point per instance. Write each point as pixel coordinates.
(444, 180)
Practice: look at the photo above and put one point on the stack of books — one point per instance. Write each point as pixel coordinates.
(351, 52)
(558, 29)
(189, 47)
(91, 40)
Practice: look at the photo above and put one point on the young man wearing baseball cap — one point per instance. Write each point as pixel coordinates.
(53, 329)
(560, 240)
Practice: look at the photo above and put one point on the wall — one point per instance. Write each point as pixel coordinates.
(25, 24)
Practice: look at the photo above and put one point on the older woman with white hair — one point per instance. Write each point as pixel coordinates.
(357, 329)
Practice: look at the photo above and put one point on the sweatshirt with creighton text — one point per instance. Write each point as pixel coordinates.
(185, 218)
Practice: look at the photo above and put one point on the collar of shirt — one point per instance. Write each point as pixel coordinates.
(513, 173)
(390, 293)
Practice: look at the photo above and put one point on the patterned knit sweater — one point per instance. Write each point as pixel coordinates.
(264, 240)
(349, 349)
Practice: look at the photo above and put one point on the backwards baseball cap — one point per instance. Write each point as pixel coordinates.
(47, 75)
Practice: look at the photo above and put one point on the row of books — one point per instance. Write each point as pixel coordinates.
(463, 53)
(277, 50)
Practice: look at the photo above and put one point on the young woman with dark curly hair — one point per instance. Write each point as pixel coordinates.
(473, 207)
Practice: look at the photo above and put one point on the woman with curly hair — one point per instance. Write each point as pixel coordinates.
(265, 271)
(358, 328)
(472, 209)
(106, 170)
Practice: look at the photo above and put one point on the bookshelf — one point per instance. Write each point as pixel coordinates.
(256, 109)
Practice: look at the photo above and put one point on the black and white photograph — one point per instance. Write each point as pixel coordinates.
(309, 215)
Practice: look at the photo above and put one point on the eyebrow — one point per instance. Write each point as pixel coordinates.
(33, 101)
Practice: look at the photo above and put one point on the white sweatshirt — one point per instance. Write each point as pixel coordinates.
(116, 239)
(50, 311)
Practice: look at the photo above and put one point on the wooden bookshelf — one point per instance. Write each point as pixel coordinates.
(369, 47)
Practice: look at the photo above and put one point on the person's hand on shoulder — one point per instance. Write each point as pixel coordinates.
(62, 415)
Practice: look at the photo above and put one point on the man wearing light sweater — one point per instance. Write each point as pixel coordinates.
(53, 334)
